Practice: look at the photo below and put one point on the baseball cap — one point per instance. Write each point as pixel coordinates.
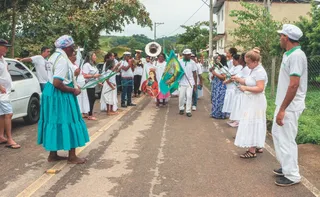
(187, 52)
(3, 42)
(292, 31)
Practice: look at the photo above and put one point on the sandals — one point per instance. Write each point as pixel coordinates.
(13, 146)
(248, 155)
(259, 150)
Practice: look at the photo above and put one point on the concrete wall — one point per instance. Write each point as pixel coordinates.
(288, 12)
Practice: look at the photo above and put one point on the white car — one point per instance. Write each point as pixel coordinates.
(26, 92)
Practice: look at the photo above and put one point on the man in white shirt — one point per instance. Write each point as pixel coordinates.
(126, 80)
(41, 64)
(187, 84)
(195, 94)
(290, 103)
(5, 105)
(138, 71)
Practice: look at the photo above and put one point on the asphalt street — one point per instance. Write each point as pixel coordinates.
(145, 152)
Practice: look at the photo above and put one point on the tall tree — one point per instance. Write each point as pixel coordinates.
(196, 36)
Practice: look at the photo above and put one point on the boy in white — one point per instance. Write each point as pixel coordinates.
(290, 102)
(41, 64)
(187, 83)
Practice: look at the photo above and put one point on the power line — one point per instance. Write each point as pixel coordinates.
(204, 3)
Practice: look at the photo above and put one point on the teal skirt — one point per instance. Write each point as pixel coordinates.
(60, 126)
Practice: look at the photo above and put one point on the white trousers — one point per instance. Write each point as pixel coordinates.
(284, 139)
(185, 92)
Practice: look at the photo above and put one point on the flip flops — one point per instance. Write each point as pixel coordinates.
(13, 146)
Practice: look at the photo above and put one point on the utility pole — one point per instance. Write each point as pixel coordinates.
(211, 29)
(155, 29)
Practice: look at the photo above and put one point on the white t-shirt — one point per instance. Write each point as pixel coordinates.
(128, 73)
(138, 71)
(61, 66)
(189, 67)
(90, 70)
(294, 63)
(199, 71)
(115, 63)
(5, 80)
(42, 68)
(257, 74)
(230, 64)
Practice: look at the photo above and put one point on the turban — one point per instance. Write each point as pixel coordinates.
(64, 42)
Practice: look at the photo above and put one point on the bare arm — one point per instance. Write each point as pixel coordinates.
(239, 80)
(57, 83)
(27, 59)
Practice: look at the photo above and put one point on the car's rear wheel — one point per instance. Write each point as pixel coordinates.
(33, 111)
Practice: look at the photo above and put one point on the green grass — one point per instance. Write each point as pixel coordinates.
(309, 122)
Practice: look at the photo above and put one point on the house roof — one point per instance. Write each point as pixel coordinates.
(217, 4)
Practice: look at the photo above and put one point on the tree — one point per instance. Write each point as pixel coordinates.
(196, 36)
(256, 28)
(46, 20)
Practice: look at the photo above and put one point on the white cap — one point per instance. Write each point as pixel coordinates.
(187, 52)
(126, 53)
(138, 51)
(292, 31)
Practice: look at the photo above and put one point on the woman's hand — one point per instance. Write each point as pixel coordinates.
(77, 72)
(76, 91)
(243, 88)
(235, 78)
(3, 90)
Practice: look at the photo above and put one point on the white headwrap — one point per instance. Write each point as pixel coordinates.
(64, 42)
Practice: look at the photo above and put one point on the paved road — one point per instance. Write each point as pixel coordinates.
(147, 152)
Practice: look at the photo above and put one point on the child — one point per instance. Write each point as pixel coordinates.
(109, 90)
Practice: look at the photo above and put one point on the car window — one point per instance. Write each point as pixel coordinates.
(18, 71)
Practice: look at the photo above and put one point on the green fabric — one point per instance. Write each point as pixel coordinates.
(292, 50)
(173, 70)
(295, 74)
(61, 126)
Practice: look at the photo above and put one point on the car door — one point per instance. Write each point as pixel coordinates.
(22, 83)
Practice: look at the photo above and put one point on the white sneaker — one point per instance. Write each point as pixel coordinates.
(194, 108)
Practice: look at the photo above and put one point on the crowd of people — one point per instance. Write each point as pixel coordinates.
(238, 83)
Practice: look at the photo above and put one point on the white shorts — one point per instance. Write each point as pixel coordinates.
(5, 108)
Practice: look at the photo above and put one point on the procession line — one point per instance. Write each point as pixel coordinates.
(37, 184)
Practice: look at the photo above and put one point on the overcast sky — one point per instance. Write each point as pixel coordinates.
(172, 13)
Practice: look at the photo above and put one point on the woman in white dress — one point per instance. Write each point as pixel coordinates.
(109, 90)
(160, 67)
(252, 128)
(83, 100)
(231, 87)
(238, 95)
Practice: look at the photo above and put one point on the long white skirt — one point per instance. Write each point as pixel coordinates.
(228, 101)
(108, 97)
(237, 106)
(252, 126)
(83, 101)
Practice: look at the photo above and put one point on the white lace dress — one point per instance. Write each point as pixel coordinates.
(252, 127)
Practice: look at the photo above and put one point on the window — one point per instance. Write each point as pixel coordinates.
(18, 71)
(218, 18)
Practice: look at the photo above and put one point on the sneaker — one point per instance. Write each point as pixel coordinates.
(194, 108)
(132, 104)
(124, 105)
(278, 172)
(181, 112)
(189, 115)
(284, 182)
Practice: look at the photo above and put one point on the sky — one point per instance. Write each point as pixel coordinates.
(172, 13)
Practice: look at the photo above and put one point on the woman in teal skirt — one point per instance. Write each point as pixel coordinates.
(61, 126)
